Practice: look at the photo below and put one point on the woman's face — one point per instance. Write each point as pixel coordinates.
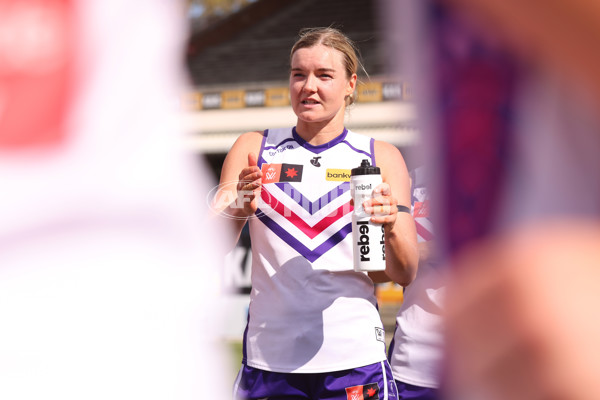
(318, 83)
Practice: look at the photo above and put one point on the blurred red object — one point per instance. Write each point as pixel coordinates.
(36, 60)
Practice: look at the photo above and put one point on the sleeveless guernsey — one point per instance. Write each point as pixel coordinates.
(417, 347)
(309, 311)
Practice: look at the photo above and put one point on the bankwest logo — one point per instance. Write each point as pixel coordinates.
(337, 175)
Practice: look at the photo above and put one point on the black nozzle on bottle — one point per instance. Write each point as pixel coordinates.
(365, 169)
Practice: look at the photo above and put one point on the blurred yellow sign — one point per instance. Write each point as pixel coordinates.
(389, 292)
(232, 99)
(277, 97)
(369, 92)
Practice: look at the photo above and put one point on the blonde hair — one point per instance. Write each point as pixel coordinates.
(334, 38)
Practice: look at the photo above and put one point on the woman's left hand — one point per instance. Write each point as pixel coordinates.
(382, 206)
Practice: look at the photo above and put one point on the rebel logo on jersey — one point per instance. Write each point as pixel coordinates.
(369, 391)
(273, 173)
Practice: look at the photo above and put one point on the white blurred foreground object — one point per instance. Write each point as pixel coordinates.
(108, 265)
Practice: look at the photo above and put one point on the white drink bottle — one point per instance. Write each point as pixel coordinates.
(368, 238)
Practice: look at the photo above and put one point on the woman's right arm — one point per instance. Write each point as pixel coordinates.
(239, 186)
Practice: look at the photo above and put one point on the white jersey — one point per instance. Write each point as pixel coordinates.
(309, 310)
(417, 346)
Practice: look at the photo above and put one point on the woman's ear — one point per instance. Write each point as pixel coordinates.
(351, 87)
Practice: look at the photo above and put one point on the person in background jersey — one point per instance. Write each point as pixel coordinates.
(313, 327)
(510, 99)
(417, 349)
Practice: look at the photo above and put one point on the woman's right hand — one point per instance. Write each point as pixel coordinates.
(248, 186)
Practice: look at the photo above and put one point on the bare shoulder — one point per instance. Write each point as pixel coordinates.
(388, 155)
(393, 170)
(237, 156)
(250, 141)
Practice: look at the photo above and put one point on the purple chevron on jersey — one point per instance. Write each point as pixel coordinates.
(310, 255)
(313, 206)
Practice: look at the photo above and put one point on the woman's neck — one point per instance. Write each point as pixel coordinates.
(317, 134)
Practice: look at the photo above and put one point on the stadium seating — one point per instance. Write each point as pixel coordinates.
(258, 53)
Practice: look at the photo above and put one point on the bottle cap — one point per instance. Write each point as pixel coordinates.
(365, 169)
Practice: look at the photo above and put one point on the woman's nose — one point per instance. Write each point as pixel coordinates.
(310, 84)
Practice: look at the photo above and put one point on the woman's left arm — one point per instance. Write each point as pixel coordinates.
(401, 250)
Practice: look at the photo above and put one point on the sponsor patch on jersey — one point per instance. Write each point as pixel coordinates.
(380, 334)
(337, 175)
(369, 391)
(273, 173)
(421, 209)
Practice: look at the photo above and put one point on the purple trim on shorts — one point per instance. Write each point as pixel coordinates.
(413, 392)
(372, 382)
(322, 147)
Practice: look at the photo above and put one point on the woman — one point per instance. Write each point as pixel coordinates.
(313, 327)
